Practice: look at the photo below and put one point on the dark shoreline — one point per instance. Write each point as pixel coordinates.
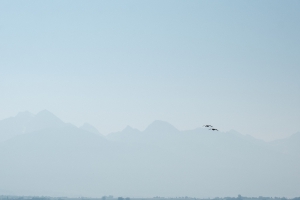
(239, 197)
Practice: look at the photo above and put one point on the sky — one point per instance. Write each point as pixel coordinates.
(232, 64)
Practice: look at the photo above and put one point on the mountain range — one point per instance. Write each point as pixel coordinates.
(42, 155)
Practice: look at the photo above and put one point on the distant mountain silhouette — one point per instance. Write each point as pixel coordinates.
(44, 120)
(158, 131)
(24, 115)
(88, 127)
(26, 122)
(290, 145)
(126, 135)
(159, 126)
(295, 137)
(50, 159)
(13, 126)
(54, 158)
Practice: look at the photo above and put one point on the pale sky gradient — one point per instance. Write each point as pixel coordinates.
(233, 64)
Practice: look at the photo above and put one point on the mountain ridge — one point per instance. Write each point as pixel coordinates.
(161, 160)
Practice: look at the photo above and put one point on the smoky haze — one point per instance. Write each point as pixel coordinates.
(113, 64)
(42, 155)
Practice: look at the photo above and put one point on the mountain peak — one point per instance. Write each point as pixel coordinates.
(128, 128)
(160, 126)
(42, 120)
(24, 114)
(90, 128)
(45, 113)
(233, 132)
(295, 136)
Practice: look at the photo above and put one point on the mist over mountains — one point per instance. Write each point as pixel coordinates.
(42, 155)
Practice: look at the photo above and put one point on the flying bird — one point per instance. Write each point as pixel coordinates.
(207, 125)
(213, 129)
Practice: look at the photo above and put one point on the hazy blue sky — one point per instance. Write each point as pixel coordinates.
(233, 64)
